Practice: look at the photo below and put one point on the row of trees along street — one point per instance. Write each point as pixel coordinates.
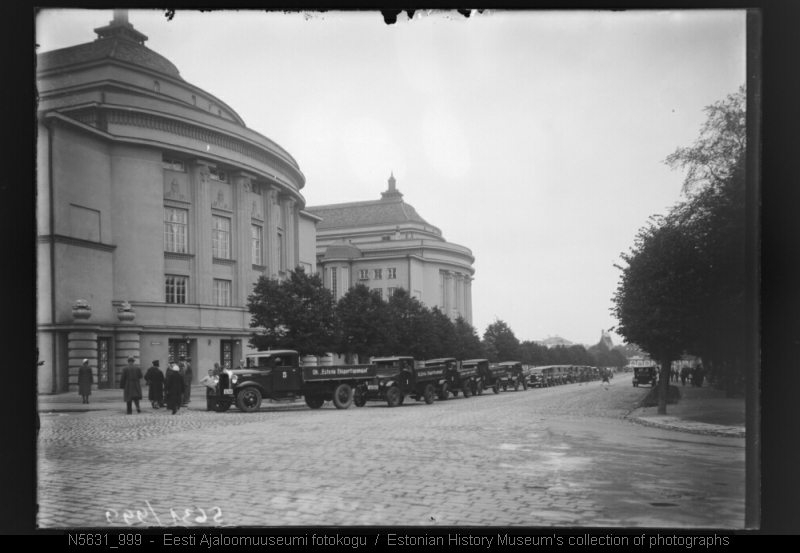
(300, 313)
(682, 288)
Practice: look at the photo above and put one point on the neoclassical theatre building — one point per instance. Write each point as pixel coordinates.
(385, 244)
(158, 209)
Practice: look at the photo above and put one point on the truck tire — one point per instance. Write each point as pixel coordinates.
(222, 406)
(466, 389)
(402, 399)
(358, 399)
(342, 396)
(314, 402)
(248, 400)
(496, 387)
(444, 392)
(393, 396)
(210, 404)
(429, 394)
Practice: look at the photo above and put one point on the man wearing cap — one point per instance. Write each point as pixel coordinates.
(155, 380)
(131, 375)
(85, 381)
(174, 388)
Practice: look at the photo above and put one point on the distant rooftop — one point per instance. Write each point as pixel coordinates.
(390, 209)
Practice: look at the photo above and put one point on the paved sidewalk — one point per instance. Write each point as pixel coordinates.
(111, 400)
(703, 410)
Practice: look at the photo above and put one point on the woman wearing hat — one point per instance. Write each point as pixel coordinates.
(174, 388)
(155, 380)
(131, 375)
(85, 381)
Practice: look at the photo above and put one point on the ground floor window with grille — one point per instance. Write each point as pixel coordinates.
(176, 288)
(222, 292)
(390, 291)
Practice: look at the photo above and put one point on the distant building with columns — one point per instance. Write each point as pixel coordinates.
(385, 244)
(157, 208)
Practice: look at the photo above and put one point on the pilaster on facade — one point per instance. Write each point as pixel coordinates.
(272, 214)
(242, 184)
(289, 204)
(127, 344)
(200, 243)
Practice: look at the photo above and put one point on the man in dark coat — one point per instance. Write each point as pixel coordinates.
(155, 380)
(131, 375)
(174, 386)
(85, 381)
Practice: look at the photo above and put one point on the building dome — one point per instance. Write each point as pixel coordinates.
(117, 41)
(341, 249)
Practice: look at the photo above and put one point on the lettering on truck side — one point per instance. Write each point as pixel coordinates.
(434, 372)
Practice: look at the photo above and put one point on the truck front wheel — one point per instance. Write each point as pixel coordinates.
(466, 389)
(429, 393)
(248, 400)
(496, 387)
(444, 392)
(315, 402)
(479, 388)
(343, 396)
(393, 396)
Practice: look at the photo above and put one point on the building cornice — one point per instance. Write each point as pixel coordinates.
(61, 239)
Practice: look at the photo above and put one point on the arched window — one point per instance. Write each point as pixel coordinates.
(156, 86)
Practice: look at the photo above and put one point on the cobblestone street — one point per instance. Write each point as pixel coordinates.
(561, 456)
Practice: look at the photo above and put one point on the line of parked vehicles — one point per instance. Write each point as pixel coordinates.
(278, 375)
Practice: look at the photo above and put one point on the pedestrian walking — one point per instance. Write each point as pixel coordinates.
(684, 375)
(605, 377)
(155, 380)
(174, 386)
(131, 375)
(187, 379)
(85, 381)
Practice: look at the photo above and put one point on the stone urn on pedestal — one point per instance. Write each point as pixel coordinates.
(126, 313)
(81, 311)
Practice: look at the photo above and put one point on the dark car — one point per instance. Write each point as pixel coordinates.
(644, 375)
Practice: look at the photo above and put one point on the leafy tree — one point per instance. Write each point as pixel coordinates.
(531, 353)
(444, 342)
(655, 295)
(411, 324)
(467, 343)
(294, 313)
(714, 218)
(503, 341)
(363, 324)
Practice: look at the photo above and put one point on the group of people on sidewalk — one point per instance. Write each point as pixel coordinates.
(173, 390)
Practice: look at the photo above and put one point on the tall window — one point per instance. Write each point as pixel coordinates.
(345, 280)
(221, 237)
(390, 292)
(176, 289)
(377, 274)
(441, 290)
(257, 233)
(175, 230)
(334, 288)
(391, 273)
(222, 292)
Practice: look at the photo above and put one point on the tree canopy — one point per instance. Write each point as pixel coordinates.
(293, 313)
(501, 343)
(363, 323)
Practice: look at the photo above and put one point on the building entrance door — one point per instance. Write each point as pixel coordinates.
(103, 369)
(177, 348)
(226, 354)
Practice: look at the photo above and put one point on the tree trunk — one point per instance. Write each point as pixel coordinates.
(663, 384)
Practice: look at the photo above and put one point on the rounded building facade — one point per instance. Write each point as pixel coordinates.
(385, 244)
(158, 209)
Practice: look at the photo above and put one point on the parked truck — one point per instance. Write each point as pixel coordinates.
(277, 375)
(457, 378)
(397, 378)
(512, 376)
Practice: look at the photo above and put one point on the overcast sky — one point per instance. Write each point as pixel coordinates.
(536, 139)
